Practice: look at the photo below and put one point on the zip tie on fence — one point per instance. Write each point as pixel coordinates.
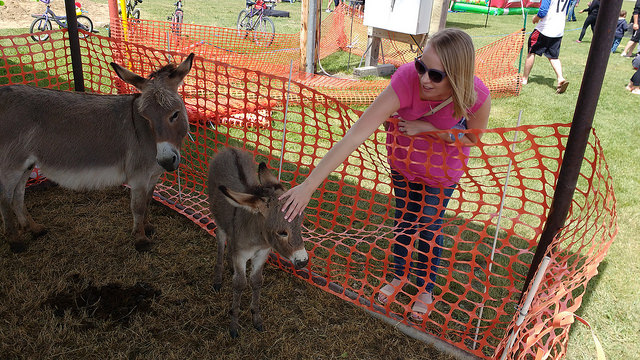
(284, 127)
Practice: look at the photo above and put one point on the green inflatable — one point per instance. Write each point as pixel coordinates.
(483, 9)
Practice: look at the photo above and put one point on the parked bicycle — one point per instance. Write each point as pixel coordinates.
(253, 20)
(43, 22)
(176, 18)
(132, 12)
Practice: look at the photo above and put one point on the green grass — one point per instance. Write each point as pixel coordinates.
(611, 302)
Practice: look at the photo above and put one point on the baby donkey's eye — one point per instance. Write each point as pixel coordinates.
(174, 116)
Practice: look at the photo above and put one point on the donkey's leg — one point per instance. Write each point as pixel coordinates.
(138, 208)
(221, 236)
(7, 191)
(24, 219)
(149, 229)
(239, 284)
(257, 264)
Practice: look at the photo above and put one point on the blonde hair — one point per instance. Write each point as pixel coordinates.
(455, 49)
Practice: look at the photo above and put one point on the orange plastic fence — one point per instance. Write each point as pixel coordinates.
(491, 225)
(341, 30)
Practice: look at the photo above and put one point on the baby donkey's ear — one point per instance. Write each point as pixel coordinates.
(265, 176)
(252, 203)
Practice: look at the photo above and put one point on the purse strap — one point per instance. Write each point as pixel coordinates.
(437, 108)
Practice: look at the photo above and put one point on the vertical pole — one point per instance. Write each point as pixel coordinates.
(312, 24)
(74, 45)
(580, 128)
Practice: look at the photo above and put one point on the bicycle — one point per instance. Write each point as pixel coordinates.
(176, 18)
(253, 20)
(132, 12)
(43, 22)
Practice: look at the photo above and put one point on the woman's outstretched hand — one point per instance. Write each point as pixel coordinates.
(296, 201)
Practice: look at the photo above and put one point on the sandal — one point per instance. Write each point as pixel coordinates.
(562, 86)
(387, 290)
(421, 307)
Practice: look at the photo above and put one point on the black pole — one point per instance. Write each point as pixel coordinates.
(74, 44)
(580, 128)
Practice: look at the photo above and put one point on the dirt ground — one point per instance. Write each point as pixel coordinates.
(17, 13)
(82, 291)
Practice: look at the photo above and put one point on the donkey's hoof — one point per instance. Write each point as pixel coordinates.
(217, 287)
(234, 334)
(17, 247)
(38, 230)
(143, 245)
(149, 229)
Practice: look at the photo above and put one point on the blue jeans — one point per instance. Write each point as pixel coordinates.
(409, 196)
(616, 42)
(571, 12)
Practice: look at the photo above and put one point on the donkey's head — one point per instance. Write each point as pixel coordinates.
(283, 236)
(162, 106)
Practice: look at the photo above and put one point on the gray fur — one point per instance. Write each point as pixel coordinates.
(88, 141)
(249, 219)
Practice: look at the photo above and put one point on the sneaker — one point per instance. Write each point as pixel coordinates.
(636, 91)
(578, 41)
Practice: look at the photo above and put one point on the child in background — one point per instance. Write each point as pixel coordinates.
(621, 28)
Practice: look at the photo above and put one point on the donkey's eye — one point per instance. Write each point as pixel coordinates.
(174, 116)
(283, 233)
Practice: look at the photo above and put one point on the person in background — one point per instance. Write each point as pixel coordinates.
(634, 83)
(437, 91)
(635, 37)
(621, 28)
(546, 39)
(335, 3)
(590, 21)
(571, 13)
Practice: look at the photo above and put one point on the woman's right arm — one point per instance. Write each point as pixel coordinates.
(377, 113)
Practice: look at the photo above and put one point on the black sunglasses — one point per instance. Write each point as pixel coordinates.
(435, 75)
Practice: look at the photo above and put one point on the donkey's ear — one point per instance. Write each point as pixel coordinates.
(130, 77)
(178, 75)
(265, 176)
(249, 202)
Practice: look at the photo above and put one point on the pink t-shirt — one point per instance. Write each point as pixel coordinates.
(422, 157)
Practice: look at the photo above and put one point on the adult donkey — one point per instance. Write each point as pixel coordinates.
(87, 141)
(249, 219)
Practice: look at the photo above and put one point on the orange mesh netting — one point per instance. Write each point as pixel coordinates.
(349, 224)
(341, 30)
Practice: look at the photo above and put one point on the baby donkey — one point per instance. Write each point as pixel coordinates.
(249, 219)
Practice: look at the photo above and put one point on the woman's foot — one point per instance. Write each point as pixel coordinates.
(636, 91)
(387, 290)
(421, 307)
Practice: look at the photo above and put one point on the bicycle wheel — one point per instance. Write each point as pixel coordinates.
(136, 14)
(84, 23)
(265, 32)
(243, 24)
(38, 25)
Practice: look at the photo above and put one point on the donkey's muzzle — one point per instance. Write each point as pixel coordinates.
(167, 156)
(300, 259)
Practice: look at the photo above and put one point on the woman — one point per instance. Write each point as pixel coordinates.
(436, 92)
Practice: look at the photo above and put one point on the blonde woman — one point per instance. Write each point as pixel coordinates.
(438, 91)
